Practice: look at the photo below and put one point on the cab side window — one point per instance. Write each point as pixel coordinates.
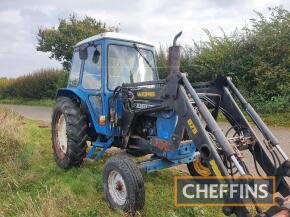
(92, 69)
(74, 76)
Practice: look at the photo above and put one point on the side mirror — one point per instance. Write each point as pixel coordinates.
(83, 53)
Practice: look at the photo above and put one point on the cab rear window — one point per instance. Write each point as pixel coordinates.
(74, 76)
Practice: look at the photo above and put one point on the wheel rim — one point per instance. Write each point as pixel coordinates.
(61, 134)
(117, 188)
(200, 168)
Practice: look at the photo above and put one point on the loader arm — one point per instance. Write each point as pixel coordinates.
(197, 107)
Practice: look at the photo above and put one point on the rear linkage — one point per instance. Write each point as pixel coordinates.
(192, 104)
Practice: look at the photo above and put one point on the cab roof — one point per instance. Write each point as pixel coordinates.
(115, 36)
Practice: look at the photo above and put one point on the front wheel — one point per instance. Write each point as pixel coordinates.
(123, 184)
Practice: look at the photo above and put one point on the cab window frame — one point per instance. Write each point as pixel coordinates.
(98, 45)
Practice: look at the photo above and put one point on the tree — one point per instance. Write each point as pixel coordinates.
(60, 40)
(161, 59)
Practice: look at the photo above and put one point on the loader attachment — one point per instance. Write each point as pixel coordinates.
(192, 110)
(219, 95)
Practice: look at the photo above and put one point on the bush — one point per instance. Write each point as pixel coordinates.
(256, 57)
(274, 105)
(39, 85)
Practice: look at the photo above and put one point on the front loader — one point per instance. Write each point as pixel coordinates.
(115, 99)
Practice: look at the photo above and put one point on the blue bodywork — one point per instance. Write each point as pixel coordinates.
(96, 103)
(166, 124)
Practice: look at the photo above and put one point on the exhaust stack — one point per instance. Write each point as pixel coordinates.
(174, 57)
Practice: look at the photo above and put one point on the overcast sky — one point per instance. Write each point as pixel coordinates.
(155, 20)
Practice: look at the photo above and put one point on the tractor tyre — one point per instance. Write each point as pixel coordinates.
(69, 133)
(123, 184)
(198, 168)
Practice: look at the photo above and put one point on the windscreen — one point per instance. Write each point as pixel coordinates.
(127, 65)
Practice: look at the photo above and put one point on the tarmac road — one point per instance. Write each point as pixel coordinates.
(44, 114)
(31, 112)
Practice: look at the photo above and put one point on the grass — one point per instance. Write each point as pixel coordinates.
(32, 102)
(31, 184)
(277, 119)
(11, 137)
(271, 119)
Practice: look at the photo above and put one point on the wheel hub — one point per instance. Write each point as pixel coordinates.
(117, 187)
(200, 168)
(61, 134)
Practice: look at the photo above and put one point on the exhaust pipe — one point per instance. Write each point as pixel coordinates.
(174, 57)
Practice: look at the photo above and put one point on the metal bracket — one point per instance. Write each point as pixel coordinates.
(155, 163)
(98, 144)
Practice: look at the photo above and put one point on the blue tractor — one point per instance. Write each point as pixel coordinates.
(114, 98)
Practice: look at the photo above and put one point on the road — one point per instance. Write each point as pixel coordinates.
(31, 112)
(44, 114)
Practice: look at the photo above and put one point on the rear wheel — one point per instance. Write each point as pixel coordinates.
(123, 184)
(69, 133)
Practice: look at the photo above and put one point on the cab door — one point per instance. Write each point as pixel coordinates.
(91, 85)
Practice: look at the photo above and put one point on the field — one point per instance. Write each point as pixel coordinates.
(31, 184)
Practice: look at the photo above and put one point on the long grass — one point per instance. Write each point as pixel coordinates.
(11, 135)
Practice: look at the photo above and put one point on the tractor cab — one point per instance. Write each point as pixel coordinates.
(103, 62)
